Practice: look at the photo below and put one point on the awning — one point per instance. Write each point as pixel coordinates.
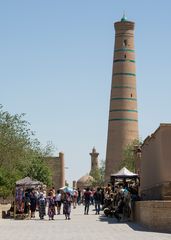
(124, 173)
(27, 181)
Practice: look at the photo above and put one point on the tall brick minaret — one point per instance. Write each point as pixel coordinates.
(123, 116)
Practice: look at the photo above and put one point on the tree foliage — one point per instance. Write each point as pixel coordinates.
(129, 155)
(21, 154)
(98, 175)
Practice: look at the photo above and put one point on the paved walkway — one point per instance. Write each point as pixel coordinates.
(80, 227)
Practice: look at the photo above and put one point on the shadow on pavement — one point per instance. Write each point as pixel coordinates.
(138, 227)
(113, 220)
(110, 220)
(135, 226)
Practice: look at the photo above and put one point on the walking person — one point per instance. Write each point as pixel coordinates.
(87, 196)
(41, 206)
(97, 199)
(79, 197)
(33, 203)
(51, 206)
(67, 205)
(92, 196)
(27, 204)
(58, 202)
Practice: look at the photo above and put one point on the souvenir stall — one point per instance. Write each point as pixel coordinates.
(124, 190)
(21, 202)
(124, 176)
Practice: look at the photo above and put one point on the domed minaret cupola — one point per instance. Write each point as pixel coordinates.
(94, 159)
(124, 18)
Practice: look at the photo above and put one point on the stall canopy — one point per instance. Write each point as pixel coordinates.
(124, 173)
(28, 182)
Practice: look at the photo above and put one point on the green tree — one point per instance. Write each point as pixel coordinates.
(98, 175)
(129, 155)
(21, 154)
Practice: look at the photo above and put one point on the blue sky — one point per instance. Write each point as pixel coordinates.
(56, 66)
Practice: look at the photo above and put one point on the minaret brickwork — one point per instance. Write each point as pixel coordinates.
(123, 116)
(94, 160)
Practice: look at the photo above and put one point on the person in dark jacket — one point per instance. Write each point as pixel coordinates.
(97, 199)
(26, 203)
(33, 203)
(87, 196)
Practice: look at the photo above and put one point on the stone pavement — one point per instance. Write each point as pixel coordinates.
(80, 227)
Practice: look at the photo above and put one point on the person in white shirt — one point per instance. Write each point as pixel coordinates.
(58, 201)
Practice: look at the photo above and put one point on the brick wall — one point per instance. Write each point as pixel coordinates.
(155, 165)
(155, 215)
(56, 165)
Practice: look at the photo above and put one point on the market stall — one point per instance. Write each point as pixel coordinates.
(119, 198)
(124, 175)
(22, 190)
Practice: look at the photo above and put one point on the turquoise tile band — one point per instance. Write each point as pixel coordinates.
(123, 119)
(123, 60)
(124, 87)
(123, 110)
(124, 50)
(126, 74)
(129, 99)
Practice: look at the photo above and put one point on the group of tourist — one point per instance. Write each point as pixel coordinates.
(119, 199)
(94, 197)
(39, 200)
(114, 200)
(32, 200)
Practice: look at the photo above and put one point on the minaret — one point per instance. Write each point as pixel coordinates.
(94, 160)
(123, 116)
(62, 170)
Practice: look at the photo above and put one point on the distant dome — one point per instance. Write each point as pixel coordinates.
(84, 181)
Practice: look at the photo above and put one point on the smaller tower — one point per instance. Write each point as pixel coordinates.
(94, 160)
(74, 184)
(62, 170)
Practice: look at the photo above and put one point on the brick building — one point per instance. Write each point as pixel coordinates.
(57, 167)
